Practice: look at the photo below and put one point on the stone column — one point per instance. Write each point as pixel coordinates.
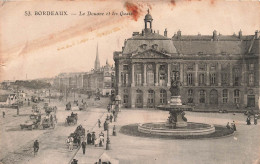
(145, 83)
(219, 74)
(196, 74)
(207, 76)
(156, 74)
(243, 80)
(231, 75)
(181, 73)
(133, 75)
(119, 75)
(185, 76)
(169, 75)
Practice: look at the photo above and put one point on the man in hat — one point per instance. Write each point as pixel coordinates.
(84, 144)
(93, 137)
(36, 147)
(89, 140)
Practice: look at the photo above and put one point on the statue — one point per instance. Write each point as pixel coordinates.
(175, 84)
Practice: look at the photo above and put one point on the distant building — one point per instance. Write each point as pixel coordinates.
(216, 71)
(99, 79)
(8, 99)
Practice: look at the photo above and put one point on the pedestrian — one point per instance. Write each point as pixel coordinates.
(255, 119)
(97, 141)
(84, 144)
(71, 143)
(93, 137)
(99, 123)
(101, 136)
(89, 140)
(3, 114)
(36, 147)
(111, 118)
(234, 126)
(105, 125)
(228, 126)
(74, 161)
(114, 130)
(248, 121)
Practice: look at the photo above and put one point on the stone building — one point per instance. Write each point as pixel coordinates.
(216, 71)
(98, 79)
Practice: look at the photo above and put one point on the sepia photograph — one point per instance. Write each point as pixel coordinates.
(129, 81)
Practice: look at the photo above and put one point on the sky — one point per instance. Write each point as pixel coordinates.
(40, 46)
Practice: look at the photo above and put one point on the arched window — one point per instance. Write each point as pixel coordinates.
(202, 96)
(150, 102)
(163, 96)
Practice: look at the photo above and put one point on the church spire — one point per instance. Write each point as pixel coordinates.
(97, 63)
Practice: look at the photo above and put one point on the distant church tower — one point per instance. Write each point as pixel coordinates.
(97, 63)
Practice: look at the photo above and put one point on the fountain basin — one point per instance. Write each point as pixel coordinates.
(161, 128)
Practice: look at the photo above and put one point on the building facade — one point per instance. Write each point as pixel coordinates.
(99, 79)
(216, 71)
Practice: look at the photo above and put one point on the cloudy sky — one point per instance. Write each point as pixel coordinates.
(45, 45)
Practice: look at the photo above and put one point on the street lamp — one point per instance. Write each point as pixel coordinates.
(108, 140)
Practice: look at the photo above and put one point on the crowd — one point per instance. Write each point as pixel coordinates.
(98, 139)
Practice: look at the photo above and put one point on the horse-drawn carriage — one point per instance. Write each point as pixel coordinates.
(49, 109)
(83, 106)
(31, 124)
(36, 112)
(77, 136)
(49, 121)
(68, 106)
(72, 119)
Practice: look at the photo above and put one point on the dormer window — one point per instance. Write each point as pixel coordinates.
(143, 46)
(155, 46)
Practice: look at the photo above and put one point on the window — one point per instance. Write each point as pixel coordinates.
(163, 96)
(125, 99)
(124, 79)
(236, 96)
(190, 96)
(202, 96)
(162, 74)
(213, 79)
(224, 78)
(190, 66)
(150, 98)
(202, 79)
(138, 79)
(125, 67)
(155, 46)
(225, 96)
(150, 77)
(236, 76)
(202, 67)
(251, 67)
(190, 92)
(251, 79)
(190, 79)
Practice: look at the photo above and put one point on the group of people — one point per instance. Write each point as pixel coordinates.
(75, 137)
(92, 139)
(232, 126)
(248, 119)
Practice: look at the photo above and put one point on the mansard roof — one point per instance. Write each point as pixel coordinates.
(226, 44)
(136, 43)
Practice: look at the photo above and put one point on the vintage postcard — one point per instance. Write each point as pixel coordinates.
(129, 82)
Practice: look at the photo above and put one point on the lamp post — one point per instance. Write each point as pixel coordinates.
(108, 140)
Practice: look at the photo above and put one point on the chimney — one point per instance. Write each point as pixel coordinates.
(256, 34)
(214, 35)
(240, 34)
(165, 32)
(179, 34)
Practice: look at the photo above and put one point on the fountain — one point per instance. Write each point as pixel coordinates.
(176, 124)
